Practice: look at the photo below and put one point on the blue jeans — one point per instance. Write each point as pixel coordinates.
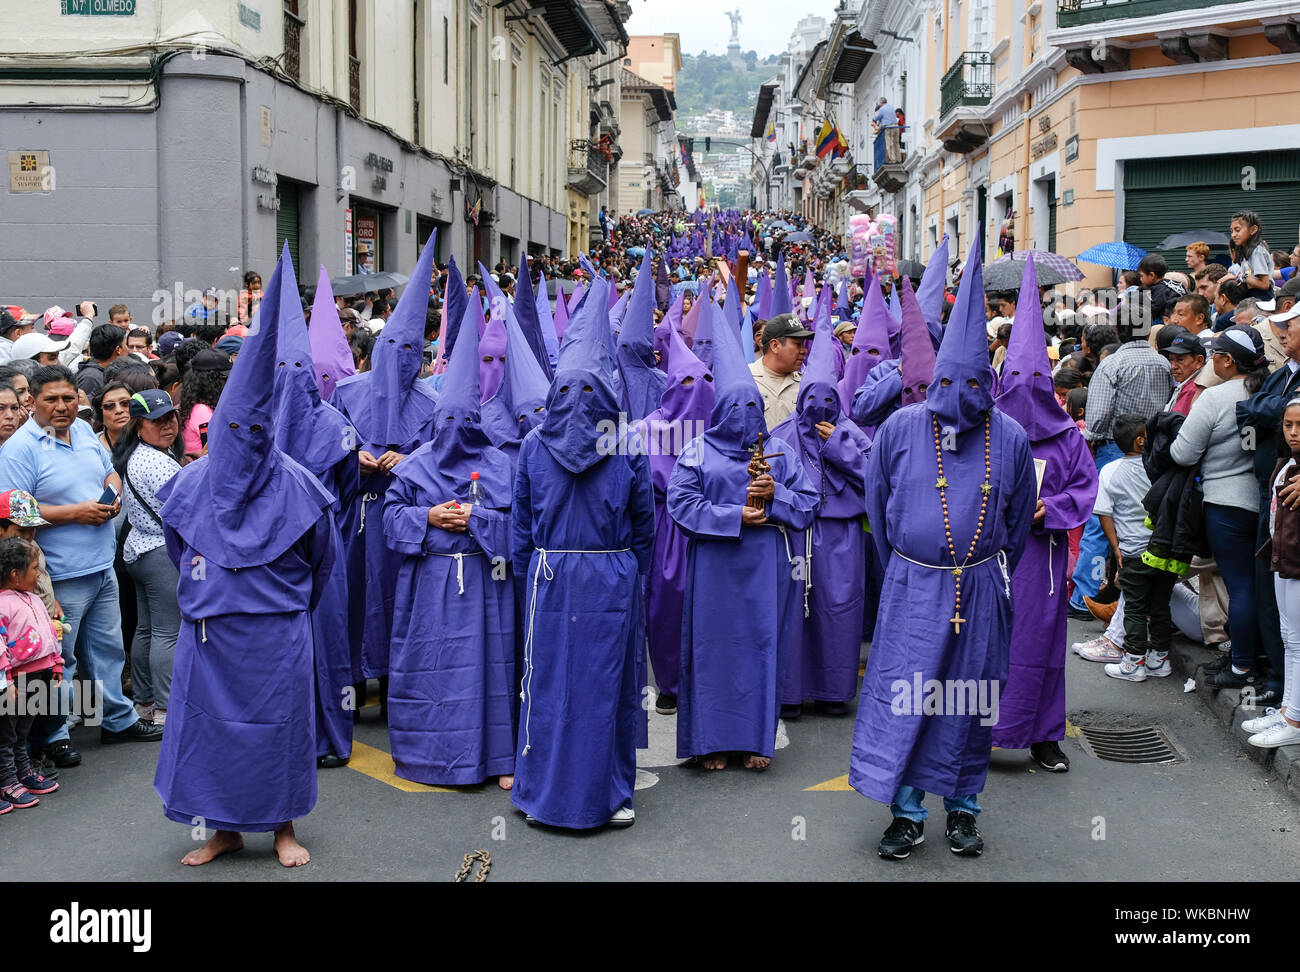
(1231, 532)
(909, 803)
(1093, 546)
(94, 634)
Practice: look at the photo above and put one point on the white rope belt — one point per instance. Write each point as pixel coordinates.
(526, 684)
(1051, 574)
(789, 556)
(1000, 557)
(366, 498)
(460, 565)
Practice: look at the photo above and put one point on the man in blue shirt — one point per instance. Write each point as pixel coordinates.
(884, 125)
(59, 460)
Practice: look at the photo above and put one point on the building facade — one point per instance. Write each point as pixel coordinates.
(351, 130)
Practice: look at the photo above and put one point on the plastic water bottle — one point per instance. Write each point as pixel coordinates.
(476, 496)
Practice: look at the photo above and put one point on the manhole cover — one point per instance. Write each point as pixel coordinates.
(1143, 744)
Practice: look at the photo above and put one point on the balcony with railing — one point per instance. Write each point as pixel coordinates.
(588, 168)
(354, 83)
(888, 172)
(292, 44)
(859, 192)
(964, 96)
(1073, 13)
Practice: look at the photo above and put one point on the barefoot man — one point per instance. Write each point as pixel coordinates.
(250, 530)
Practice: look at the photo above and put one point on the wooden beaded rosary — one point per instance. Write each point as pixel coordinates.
(986, 488)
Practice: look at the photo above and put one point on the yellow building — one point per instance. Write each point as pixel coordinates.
(1099, 120)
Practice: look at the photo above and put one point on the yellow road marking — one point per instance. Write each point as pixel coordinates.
(839, 783)
(378, 765)
(1071, 730)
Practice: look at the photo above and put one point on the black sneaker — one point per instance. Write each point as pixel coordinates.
(138, 731)
(1228, 679)
(903, 834)
(1048, 755)
(1219, 664)
(666, 703)
(963, 835)
(1077, 614)
(831, 708)
(791, 712)
(59, 753)
(45, 766)
(331, 761)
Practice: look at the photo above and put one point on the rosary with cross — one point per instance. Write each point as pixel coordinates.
(941, 484)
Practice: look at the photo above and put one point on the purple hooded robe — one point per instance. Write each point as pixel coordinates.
(582, 529)
(643, 380)
(741, 606)
(249, 530)
(315, 434)
(683, 415)
(451, 687)
(824, 665)
(1031, 708)
(331, 356)
(391, 409)
(898, 739)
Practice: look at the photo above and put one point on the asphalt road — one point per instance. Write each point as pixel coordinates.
(1214, 816)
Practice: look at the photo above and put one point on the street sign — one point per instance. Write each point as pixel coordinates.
(29, 171)
(97, 8)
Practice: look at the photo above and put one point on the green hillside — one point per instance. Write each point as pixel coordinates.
(711, 81)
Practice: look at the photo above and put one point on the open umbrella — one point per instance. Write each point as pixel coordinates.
(645, 212)
(636, 251)
(1117, 255)
(1176, 241)
(360, 283)
(1006, 274)
(910, 269)
(777, 224)
(798, 238)
(1045, 258)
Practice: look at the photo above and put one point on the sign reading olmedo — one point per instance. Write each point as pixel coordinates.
(98, 8)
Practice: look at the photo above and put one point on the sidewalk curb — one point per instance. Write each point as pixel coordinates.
(1225, 705)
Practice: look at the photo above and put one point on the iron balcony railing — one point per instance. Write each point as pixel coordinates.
(1072, 13)
(292, 44)
(354, 83)
(968, 82)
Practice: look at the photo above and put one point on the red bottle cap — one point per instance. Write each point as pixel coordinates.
(473, 475)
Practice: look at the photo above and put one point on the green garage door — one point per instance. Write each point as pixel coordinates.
(1163, 196)
(286, 220)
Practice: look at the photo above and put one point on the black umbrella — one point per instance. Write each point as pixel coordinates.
(1006, 275)
(360, 283)
(910, 269)
(1179, 240)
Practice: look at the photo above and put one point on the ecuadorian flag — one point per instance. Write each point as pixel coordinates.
(827, 139)
(771, 131)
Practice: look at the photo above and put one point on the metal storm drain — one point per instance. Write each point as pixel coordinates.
(1143, 744)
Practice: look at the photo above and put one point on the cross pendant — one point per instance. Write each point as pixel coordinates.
(957, 621)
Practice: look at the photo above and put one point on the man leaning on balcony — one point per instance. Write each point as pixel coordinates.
(885, 120)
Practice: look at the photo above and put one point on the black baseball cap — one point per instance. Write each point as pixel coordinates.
(1184, 344)
(7, 321)
(1168, 334)
(784, 326)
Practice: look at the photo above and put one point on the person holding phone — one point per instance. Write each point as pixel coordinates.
(59, 461)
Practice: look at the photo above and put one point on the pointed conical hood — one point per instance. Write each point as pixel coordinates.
(819, 368)
(964, 356)
(891, 303)
(663, 285)
(763, 295)
(529, 318)
(520, 403)
(575, 298)
(809, 291)
(245, 503)
(643, 380)
(396, 409)
(310, 431)
(690, 323)
(737, 419)
(780, 289)
(735, 307)
(492, 343)
(1028, 395)
(930, 292)
(584, 398)
(331, 357)
(561, 319)
(917, 362)
(702, 345)
(618, 311)
(453, 310)
(550, 333)
(843, 309)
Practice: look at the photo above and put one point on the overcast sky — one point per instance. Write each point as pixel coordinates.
(703, 24)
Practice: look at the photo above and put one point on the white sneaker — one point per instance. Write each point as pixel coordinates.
(1129, 669)
(1279, 734)
(1158, 665)
(623, 817)
(1099, 649)
(1271, 717)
